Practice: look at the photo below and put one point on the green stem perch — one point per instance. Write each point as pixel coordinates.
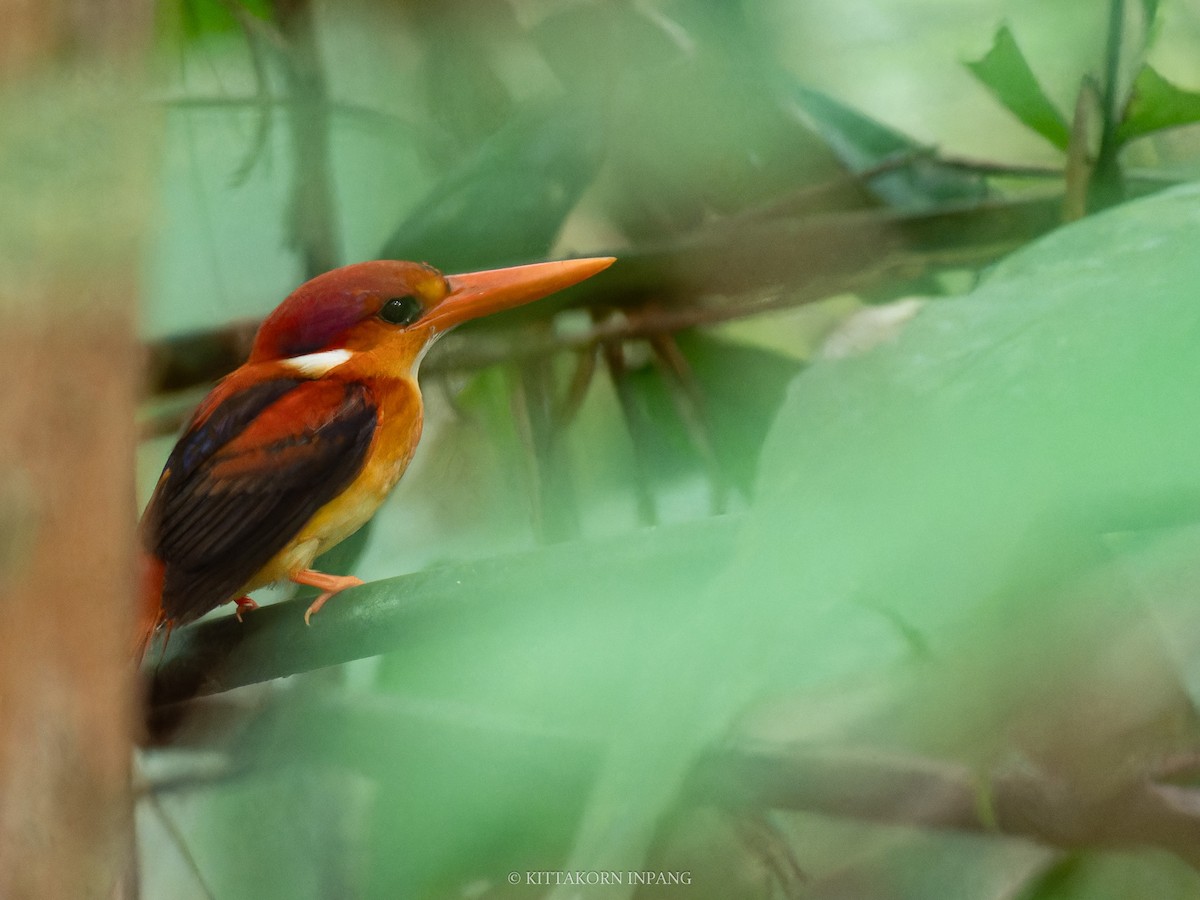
(385, 616)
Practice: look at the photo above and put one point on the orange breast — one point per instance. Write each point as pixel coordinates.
(400, 419)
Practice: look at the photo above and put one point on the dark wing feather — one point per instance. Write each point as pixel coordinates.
(245, 478)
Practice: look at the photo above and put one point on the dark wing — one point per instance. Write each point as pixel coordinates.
(245, 478)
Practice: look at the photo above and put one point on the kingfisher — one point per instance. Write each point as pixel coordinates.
(293, 451)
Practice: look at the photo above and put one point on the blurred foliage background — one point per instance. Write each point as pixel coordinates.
(823, 547)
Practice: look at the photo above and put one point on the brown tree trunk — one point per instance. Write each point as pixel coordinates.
(72, 152)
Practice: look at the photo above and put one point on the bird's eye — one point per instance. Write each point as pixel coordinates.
(402, 310)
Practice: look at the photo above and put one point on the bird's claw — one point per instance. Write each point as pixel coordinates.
(342, 582)
(315, 607)
(244, 605)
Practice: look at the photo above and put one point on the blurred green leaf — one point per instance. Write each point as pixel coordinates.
(1006, 73)
(961, 478)
(1095, 876)
(863, 143)
(977, 461)
(859, 141)
(591, 47)
(507, 203)
(693, 123)
(741, 386)
(904, 864)
(465, 92)
(466, 494)
(206, 17)
(707, 137)
(469, 818)
(297, 851)
(1156, 103)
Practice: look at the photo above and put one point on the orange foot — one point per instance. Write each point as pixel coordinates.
(244, 604)
(330, 584)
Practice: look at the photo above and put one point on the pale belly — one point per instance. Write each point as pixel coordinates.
(350, 510)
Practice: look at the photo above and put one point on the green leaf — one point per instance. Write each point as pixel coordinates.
(291, 845)
(863, 143)
(1155, 104)
(858, 140)
(977, 461)
(958, 482)
(1115, 876)
(587, 45)
(507, 202)
(1006, 73)
(687, 94)
(207, 17)
(741, 386)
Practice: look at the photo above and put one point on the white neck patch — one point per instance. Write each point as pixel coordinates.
(314, 365)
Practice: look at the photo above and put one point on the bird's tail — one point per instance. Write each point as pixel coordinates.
(150, 609)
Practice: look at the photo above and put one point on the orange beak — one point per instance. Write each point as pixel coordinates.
(482, 293)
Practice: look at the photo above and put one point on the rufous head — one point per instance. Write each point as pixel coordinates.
(398, 308)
